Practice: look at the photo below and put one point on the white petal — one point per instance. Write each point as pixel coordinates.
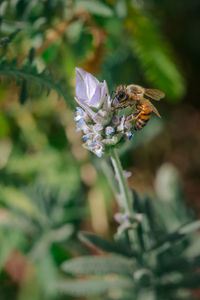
(105, 95)
(96, 100)
(81, 90)
(97, 127)
(109, 130)
(127, 174)
(84, 105)
(104, 90)
(91, 84)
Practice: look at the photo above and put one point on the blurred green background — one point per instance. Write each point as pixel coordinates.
(50, 186)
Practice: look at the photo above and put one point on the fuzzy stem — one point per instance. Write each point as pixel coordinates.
(124, 190)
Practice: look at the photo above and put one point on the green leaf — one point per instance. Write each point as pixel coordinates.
(95, 7)
(176, 236)
(105, 245)
(43, 244)
(92, 287)
(23, 92)
(190, 281)
(10, 69)
(181, 264)
(193, 226)
(47, 273)
(15, 199)
(6, 40)
(31, 55)
(121, 8)
(94, 265)
(155, 55)
(10, 241)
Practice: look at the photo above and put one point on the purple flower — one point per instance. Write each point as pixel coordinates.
(89, 91)
(101, 127)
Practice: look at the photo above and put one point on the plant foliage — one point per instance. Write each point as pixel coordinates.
(28, 74)
(154, 266)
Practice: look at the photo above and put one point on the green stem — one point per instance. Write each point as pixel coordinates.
(124, 190)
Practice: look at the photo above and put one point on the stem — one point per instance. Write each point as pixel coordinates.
(124, 190)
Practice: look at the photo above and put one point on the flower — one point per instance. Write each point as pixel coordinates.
(101, 126)
(109, 130)
(97, 148)
(89, 90)
(129, 134)
(127, 174)
(127, 221)
(81, 125)
(122, 123)
(79, 114)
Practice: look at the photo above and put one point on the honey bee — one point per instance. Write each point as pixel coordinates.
(136, 95)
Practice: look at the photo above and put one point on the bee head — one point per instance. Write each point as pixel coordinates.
(120, 97)
(121, 93)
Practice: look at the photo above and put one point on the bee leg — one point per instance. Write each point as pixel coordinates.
(131, 117)
(122, 105)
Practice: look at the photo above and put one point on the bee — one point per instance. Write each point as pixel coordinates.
(140, 97)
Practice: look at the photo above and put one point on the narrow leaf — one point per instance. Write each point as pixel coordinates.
(95, 7)
(31, 55)
(94, 265)
(155, 54)
(23, 92)
(10, 69)
(105, 245)
(92, 287)
(189, 227)
(173, 237)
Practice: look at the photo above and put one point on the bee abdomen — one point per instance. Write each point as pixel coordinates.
(142, 120)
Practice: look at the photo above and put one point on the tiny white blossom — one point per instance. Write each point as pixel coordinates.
(127, 174)
(79, 114)
(97, 148)
(98, 127)
(122, 123)
(129, 134)
(109, 130)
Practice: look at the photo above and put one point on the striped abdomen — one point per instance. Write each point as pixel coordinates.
(143, 116)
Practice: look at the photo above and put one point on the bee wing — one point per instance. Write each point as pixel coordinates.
(147, 102)
(154, 94)
(155, 111)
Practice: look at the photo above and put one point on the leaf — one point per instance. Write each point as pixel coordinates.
(94, 265)
(155, 54)
(190, 281)
(91, 287)
(42, 245)
(31, 55)
(105, 245)
(23, 92)
(121, 8)
(47, 273)
(181, 264)
(15, 199)
(173, 237)
(190, 227)
(95, 7)
(6, 40)
(10, 69)
(10, 240)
